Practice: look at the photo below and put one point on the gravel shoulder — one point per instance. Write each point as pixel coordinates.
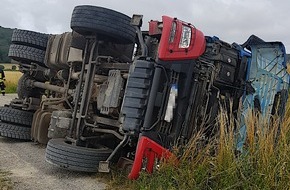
(29, 170)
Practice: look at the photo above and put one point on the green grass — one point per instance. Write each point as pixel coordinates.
(264, 164)
(11, 88)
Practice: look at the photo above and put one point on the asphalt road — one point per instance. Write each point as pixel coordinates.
(29, 171)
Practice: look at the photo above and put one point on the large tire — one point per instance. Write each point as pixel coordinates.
(137, 95)
(15, 131)
(65, 155)
(24, 91)
(30, 38)
(15, 116)
(26, 54)
(108, 24)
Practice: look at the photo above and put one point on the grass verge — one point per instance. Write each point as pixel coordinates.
(11, 82)
(264, 163)
(5, 183)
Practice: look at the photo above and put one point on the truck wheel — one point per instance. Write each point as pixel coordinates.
(108, 24)
(63, 154)
(26, 54)
(24, 91)
(136, 95)
(30, 38)
(15, 116)
(15, 131)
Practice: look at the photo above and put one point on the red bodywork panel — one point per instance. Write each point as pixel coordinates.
(172, 32)
(150, 150)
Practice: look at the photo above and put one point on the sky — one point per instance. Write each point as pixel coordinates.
(230, 20)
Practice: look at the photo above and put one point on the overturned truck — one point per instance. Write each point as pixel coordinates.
(108, 92)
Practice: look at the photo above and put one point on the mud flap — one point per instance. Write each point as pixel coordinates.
(40, 126)
(150, 150)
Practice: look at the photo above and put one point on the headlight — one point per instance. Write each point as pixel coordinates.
(185, 37)
(172, 32)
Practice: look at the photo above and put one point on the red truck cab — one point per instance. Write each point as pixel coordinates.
(179, 40)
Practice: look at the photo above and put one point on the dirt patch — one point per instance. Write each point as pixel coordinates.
(29, 170)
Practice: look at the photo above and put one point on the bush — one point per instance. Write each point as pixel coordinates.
(13, 67)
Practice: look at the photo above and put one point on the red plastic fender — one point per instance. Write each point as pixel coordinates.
(149, 149)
